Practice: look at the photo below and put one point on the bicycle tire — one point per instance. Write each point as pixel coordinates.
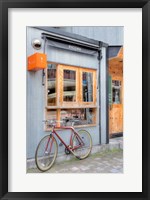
(82, 152)
(50, 150)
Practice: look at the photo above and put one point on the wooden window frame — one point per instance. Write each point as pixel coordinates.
(62, 103)
(79, 103)
(58, 115)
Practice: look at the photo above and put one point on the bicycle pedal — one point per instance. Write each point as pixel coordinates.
(61, 144)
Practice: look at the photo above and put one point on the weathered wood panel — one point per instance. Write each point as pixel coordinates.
(116, 119)
(116, 110)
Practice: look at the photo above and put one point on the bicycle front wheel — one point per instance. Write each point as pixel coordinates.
(83, 151)
(46, 153)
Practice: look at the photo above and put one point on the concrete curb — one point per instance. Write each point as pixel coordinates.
(113, 144)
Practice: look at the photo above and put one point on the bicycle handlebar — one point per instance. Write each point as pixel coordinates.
(51, 122)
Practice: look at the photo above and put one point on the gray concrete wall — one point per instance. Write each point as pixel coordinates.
(113, 35)
(35, 92)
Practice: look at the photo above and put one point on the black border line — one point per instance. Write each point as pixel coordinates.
(4, 5)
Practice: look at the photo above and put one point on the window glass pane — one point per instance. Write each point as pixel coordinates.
(116, 86)
(87, 86)
(113, 51)
(51, 85)
(81, 116)
(69, 93)
(51, 114)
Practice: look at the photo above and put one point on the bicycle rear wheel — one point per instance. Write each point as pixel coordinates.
(83, 151)
(46, 153)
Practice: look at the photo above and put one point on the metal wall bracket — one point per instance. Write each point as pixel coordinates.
(43, 77)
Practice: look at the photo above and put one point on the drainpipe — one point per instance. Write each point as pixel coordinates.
(43, 71)
(100, 56)
(107, 99)
(99, 88)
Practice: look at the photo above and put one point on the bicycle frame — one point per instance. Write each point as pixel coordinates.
(45, 159)
(81, 143)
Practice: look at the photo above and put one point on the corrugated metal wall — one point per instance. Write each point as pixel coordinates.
(113, 35)
(71, 58)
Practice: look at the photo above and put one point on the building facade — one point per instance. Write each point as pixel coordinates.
(74, 85)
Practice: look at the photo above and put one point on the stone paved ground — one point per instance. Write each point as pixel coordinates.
(106, 162)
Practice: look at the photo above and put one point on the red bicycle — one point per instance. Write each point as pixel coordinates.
(80, 145)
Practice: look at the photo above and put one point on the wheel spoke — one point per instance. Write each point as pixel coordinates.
(83, 151)
(46, 153)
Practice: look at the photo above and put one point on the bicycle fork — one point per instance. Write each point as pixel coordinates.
(81, 143)
(51, 143)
